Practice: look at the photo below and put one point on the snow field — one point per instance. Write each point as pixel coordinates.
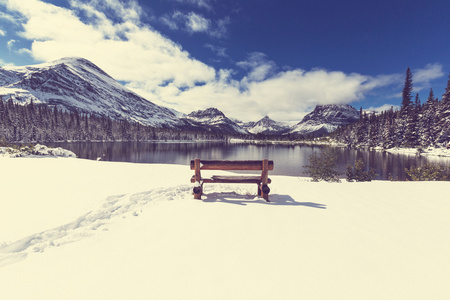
(101, 230)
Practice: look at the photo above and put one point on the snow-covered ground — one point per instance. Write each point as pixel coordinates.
(80, 229)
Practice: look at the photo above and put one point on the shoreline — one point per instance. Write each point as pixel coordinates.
(429, 151)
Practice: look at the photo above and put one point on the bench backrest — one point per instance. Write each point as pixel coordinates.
(232, 164)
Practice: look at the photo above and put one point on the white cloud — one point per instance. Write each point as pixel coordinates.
(2, 32)
(170, 21)
(259, 66)
(430, 72)
(374, 82)
(423, 77)
(383, 107)
(200, 3)
(126, 49)
(220, 30)
(284, 96)
(7, 17)
(25, 51)
(10, 44)
(3, 63)
(219, 51)
(197, 23)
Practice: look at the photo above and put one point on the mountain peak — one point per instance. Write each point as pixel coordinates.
(207, 113)
(77, 84)
(326, 119)
(64, 60)
(214, 120)
(70, 59)
(334, 113)
(267, 126)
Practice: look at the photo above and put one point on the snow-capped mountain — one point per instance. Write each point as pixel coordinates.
(266, 126)
(325, 119)
(213, 120)
(78, 84)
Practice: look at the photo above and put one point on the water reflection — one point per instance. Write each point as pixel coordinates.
(289, 159)
(386, 165)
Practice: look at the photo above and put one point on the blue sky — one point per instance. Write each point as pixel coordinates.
(249, 58)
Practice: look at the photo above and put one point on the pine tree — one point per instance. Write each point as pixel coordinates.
(417, 104)
(446, 96)
(427, 122)
(407, 90)
(389, 129)
(443, 124)
(410, 137)
(430, 98)
(404, 128)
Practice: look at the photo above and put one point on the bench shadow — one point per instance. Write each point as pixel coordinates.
(239, 199)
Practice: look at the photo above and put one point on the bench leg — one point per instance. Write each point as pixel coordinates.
(265, 190)
(198, 191)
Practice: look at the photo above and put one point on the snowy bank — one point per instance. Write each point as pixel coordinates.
(430, 151)
(36, 150)
(102, 230)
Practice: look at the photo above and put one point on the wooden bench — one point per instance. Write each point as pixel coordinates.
(261, 181)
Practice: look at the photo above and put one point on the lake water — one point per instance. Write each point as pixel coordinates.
(288, 159)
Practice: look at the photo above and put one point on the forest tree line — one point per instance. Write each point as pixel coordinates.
(44, 123)
(414, 125)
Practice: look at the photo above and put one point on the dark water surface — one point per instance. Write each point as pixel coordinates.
(288, 159)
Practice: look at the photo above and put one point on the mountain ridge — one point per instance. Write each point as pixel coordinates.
(77, 84)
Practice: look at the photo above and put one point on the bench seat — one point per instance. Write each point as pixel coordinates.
(231, 179)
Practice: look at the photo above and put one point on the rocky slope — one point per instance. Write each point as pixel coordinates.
(78, 84)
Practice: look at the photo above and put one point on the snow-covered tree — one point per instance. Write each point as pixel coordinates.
(443, 113)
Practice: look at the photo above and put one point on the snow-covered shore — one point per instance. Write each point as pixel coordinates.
(34, 150)
(80, 229)
(430, 151)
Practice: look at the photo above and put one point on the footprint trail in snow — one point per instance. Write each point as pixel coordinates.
(114, 207)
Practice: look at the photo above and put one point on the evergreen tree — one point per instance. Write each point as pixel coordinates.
(427, 122)
(389, 128)
(446, 96)
(407, 90)
(443, 113)
(41, 123)
(430, 99)
(407, 134)
(417, 104)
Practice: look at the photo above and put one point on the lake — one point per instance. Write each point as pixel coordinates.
(288, 159)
